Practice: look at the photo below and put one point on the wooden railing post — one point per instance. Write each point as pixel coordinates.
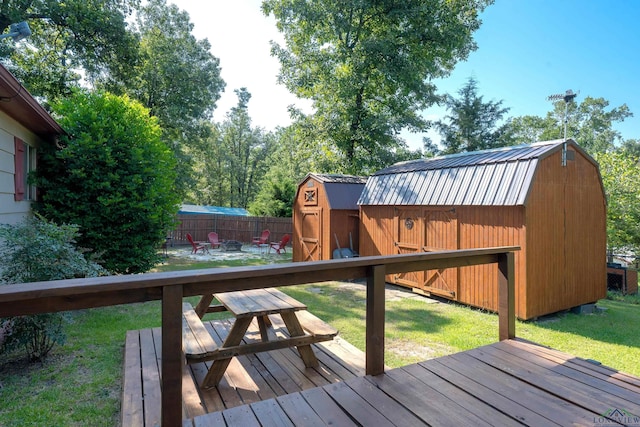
(375, 320)
(506, 296)
(172, 355)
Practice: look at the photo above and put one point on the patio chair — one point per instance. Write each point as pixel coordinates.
(196, 246)
(213, 239)
(263, 239)
(281, 245)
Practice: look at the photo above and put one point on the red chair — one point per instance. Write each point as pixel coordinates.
(262, 240)
(281, 245)
(213, 239)
(196, 246)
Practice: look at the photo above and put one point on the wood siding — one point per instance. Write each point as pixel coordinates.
(566, 236)
(316, 224)
(478, 226)
(561, 231)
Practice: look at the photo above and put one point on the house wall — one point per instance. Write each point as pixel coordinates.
(12, 211)
(566, 236)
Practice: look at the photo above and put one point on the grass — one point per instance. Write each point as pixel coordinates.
(80, 383)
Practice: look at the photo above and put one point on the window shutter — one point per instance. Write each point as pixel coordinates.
(19, 176)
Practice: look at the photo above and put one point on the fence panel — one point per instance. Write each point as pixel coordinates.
(241, 228)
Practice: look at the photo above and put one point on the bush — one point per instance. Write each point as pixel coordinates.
(32, 251)
(113, 177)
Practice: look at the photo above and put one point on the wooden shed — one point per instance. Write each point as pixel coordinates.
(545, 197)
(325, 208)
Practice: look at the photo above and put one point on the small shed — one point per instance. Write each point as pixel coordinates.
(326, 209)
(545, 197)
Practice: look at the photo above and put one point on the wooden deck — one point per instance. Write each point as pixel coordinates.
(507, 383)
(248, 379)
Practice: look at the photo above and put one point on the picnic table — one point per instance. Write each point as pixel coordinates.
(303, 329)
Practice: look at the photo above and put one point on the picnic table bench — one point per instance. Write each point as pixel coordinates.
(304, 329)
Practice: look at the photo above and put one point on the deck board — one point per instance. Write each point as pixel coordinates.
(512, 382)
(249, 379)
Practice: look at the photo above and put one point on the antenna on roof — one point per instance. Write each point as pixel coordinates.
(567, 97)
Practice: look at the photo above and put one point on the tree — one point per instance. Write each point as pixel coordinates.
(276, 196)
(113, 177)
(590, 123)
(621, 179)
(176, 78)
(530, 129)
(367, 66)
(472, 124)
(67, 37)
(245, 151)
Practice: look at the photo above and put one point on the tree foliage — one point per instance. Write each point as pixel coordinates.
(32, 251)
(472, 124)
(68, 36)
(233, 160)
(621, 180)
(367, 66)
(589, 122)
(113, 177)
(176, 78)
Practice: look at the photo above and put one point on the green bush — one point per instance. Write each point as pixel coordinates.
(113, 177)
(32, 251)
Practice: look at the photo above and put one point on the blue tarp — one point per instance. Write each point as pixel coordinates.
(212, 210)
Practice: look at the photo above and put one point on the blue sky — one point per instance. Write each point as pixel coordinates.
(527, 50)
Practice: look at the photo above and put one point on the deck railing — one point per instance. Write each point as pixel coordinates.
(171, 287)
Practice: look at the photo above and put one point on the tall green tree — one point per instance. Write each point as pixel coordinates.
(589, 122)
(621, 179)
(113, 176)
(245, 148)
(68, 37)
(367, 65)
(177, 79)
(471, 123)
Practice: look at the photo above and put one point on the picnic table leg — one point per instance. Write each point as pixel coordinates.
(218, 367)
(295, 330)
(263, 323)
(203, 305)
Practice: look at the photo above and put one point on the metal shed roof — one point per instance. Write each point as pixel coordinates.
(342, 191)
(497, 177)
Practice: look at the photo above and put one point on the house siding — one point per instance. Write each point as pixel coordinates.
(12, 211)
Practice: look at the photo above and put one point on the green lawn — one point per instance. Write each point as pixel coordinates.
(80, 383)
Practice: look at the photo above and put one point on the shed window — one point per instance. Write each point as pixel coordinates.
(24, 163)
(311, 197)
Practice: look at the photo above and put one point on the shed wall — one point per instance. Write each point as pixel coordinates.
(566, 236)
(477, 227)
(561, 231)
(315, 224)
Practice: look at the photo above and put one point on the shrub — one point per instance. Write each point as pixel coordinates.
(113, 176)
(32, 251)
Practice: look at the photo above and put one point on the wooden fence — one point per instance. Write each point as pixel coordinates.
(241, 228)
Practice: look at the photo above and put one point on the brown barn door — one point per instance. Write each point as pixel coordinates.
(408, 240)
(310, 233)
(441, 233)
